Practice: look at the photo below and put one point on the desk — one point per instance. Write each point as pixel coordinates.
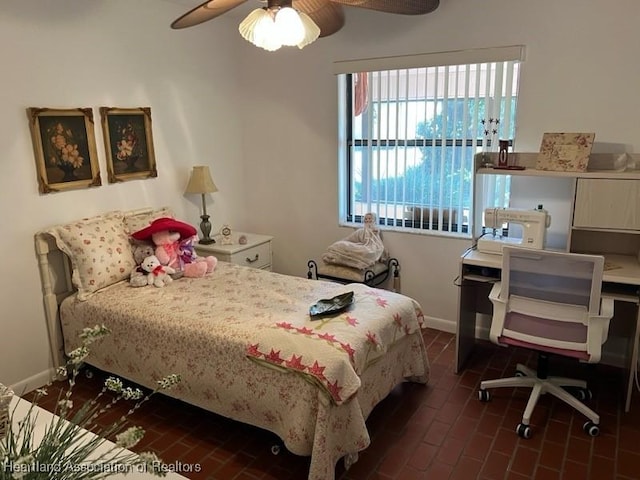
(478, 271)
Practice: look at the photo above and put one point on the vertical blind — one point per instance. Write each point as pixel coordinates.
(408, 135)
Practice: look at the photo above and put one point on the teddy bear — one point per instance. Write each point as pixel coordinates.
(157, 274)
(140, 250)
(173, 241)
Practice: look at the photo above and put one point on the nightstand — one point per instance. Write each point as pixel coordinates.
(255, 253)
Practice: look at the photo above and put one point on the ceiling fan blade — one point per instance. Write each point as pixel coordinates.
(404, 7)
(204, 12)
(329, 17)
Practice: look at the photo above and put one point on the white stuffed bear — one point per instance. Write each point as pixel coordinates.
(157, 274)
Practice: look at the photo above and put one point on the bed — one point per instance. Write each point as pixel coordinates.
(241, 338)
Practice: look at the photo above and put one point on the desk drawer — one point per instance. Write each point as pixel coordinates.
(255, 257)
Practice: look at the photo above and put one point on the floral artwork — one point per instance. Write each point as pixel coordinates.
(565, 152)
(128, 143)
(65, 148)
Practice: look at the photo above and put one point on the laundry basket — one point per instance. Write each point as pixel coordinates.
(5, 398)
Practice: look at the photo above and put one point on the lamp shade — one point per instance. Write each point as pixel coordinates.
(201, 181)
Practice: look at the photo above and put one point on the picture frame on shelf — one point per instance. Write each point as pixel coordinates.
(565, 152)
(128, 141)
(64, 147)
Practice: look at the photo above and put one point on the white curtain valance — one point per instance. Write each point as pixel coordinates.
(456, 57)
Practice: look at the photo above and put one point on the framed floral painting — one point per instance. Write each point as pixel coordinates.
(65, 148)
(128, 141)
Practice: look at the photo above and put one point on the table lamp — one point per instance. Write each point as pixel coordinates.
(201, 182)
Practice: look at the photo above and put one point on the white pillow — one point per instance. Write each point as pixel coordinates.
(137, 221)
(99, 250)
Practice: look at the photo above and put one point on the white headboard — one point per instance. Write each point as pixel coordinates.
(55, 276)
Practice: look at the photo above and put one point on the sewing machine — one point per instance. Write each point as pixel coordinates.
(534, 228)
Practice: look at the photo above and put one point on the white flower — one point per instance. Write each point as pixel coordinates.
(78, 355)
(131, 393)
(113, 384)
(60, 446)
(169, 381)
(89, 335)
(130, 437)
(153, 464)
(19, 472)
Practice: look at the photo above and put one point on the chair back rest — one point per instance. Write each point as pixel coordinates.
(552, 276)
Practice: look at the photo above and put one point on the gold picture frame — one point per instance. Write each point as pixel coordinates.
(64, 145)
(128, 142)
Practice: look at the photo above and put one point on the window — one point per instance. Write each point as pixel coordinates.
(409, 129)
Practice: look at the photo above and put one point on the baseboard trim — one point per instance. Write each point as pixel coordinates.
(36, 381)
(440, 324)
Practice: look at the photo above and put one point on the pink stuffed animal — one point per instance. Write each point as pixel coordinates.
(167, 234)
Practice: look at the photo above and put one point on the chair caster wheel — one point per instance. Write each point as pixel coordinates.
(585, 395)
(484, 395)
(524, 431)
(591, 428)
(582, 394)
(88, 373)
(275, 449)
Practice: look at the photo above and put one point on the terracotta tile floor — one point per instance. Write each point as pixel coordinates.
(440, 431)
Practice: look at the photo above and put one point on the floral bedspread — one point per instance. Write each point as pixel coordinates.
(335, 350)
(204, 329)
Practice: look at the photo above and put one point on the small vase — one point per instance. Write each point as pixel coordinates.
(503, 153)
(69, 172)
(131, 163)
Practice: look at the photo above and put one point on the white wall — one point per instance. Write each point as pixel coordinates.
(78, 53)
(580, 74)
(267, 122)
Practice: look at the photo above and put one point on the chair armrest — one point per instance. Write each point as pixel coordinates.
(598, 330)
(499, 313)
(606, 307)
(606, 312)
(494, 294)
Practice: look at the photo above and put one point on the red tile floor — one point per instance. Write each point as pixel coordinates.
(439, 431)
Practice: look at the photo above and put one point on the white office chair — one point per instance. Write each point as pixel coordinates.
(549, 302)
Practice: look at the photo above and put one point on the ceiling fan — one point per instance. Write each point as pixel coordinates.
(296, 22)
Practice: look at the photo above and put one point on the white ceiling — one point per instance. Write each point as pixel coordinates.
(239, 12)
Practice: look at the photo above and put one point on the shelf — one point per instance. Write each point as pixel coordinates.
(606, 230)
(603, 165)
(532, 172)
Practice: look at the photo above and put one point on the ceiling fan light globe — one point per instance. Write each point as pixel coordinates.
(311, 30)
(289, 25)
(247, 26)
(259, 29)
